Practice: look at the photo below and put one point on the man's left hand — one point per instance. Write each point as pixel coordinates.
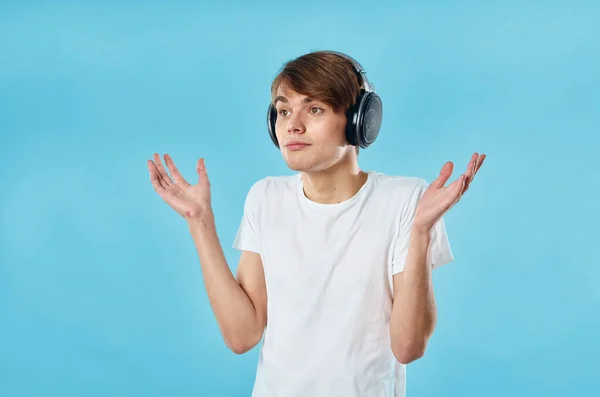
(437, 199)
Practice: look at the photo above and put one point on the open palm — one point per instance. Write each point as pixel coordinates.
(188, 200)
(437, 199)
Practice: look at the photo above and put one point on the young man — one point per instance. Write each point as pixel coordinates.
(336, 262)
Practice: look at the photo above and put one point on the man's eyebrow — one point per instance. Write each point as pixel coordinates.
(285, 100)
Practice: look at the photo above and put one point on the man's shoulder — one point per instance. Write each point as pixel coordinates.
(396, 192)
(270, 185)
(398, 184)
(275, 182)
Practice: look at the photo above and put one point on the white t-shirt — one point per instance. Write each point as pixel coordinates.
(328, 271)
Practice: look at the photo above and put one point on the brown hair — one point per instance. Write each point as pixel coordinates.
(323, 76)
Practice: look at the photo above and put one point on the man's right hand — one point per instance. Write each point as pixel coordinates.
(190, 201)
(240, 305)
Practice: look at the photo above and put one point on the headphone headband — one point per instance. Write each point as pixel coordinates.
(362, 73)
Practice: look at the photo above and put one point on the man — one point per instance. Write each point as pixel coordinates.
(336, 262)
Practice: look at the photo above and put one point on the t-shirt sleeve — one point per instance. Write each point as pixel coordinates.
(248, 233)
(439, 252)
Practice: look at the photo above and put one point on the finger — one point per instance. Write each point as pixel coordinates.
(465, 185)
(470, 173)
(444, 175)
(458, 185)
(161, 170)
(479, 162)
(476, 168)
(201, 169)
(159, 177)
(472, 164)
(174, 171)
(461, 186)
(157, 182)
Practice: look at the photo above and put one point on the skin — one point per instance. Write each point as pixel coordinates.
(330, 173)
(328, 165)
(414, 312)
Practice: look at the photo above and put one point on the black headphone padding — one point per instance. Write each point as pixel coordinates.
(363, 119)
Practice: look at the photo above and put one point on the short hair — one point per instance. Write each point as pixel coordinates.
(321, 75)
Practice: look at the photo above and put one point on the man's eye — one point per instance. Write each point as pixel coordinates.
(313, 110)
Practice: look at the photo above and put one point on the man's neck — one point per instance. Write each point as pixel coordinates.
(334, 185)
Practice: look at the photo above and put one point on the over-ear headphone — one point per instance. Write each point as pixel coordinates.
(363, 118)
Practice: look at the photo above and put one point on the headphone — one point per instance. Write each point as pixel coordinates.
(363, 119)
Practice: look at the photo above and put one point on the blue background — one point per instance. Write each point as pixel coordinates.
(101, 292)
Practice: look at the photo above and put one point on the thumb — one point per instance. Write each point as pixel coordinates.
(444, 175)
(201, 169)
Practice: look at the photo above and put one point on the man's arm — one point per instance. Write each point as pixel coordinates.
(240, 306)
(414, 311)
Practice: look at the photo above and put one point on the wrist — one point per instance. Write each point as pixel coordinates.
(421, 230)
(202, 219)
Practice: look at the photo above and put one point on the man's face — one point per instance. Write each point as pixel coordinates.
(311, 136)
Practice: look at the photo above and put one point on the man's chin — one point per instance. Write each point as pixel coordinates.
(298, 166)
(307, 163)
(305, 167)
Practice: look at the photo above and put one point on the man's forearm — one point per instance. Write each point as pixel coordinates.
(414, 312)
(233, 309)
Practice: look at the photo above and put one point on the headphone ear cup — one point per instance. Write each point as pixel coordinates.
(370, 116)
(364, 120)
(271, 119)
(352, 132)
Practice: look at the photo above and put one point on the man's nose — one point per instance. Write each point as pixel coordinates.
(295, 124)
